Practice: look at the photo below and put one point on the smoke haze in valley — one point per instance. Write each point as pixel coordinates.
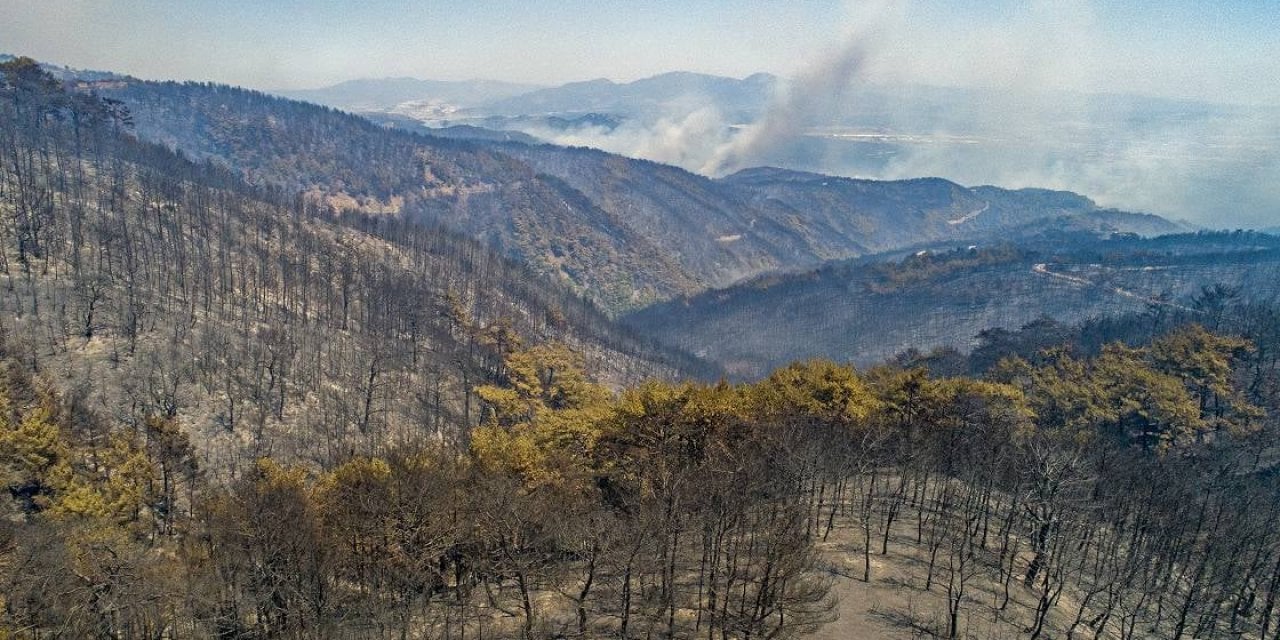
(1037, 93)
(1030, 115)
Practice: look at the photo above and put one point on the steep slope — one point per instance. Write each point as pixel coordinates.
(886, 215)
(351, 163)
(265, 322)
(867, 311)
(624, 232)
(766, 218)
(704, 226)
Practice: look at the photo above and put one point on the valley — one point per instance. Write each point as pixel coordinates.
(274, 369)
(1186, 159)
(621, 232)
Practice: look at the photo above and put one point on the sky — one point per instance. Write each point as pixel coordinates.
(1223, 51)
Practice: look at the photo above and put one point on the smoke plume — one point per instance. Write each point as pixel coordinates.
(1025, 100)
(811, 99)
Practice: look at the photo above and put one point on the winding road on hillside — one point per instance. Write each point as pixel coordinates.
(1043, 269)
(971, 215)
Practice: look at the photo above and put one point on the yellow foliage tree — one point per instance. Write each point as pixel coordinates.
(547, 377)
(817, 390)
(545, 417)
(37, 457)
(1204, 362)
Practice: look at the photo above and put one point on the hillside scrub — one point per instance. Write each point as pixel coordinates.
(269, 323)
(225, 412)
(1096, 493)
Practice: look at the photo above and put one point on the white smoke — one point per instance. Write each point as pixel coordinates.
(680, 136)
(693, 134)
(1024, 111)
(811, 99)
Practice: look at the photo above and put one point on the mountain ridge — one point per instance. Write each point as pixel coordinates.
(624, 232)
(644, 96)
(385, 94)
(867, 310)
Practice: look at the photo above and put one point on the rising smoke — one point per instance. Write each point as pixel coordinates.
(1026, 107)
(692, 132)
(810, 100)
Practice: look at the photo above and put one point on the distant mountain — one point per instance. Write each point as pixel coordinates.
(735, 98)
(883, 215)
(388, 94)
(1213, 165)
(521, 106)
(603, 122)
(869, 310)
(453, 132)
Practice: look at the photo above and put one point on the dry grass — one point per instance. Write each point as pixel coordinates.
(895, 604)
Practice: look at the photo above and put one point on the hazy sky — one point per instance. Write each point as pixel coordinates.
(1184, 48)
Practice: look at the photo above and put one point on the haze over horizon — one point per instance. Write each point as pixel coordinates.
(1022, 58)
(1218, 51)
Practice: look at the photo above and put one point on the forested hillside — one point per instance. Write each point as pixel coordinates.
(866, 311)
(623, 232)
(1128, 494)
(246, 410)
(887, 215)
(267, 321)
